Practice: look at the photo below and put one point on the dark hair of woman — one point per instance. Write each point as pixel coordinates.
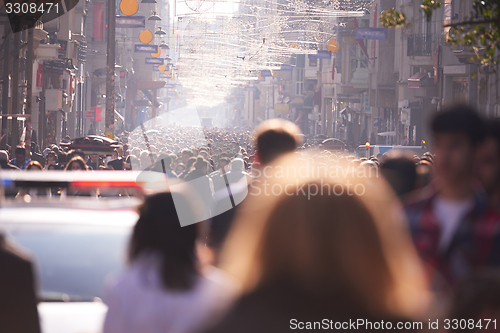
(200, 163)
(78, 160)
(190, 162)
(158, 231)
(62, 158)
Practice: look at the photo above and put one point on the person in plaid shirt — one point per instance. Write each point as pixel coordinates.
(455, 230)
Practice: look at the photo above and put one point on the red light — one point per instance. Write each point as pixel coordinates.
(122, 74)
(91, 184)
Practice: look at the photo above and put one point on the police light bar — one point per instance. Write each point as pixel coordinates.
(74, 179)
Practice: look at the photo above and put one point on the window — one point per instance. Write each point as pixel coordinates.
(313, 62)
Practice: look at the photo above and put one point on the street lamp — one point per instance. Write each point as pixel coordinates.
(164, 46)
(154, 17)
(160, 32)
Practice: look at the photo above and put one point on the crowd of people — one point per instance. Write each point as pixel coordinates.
(313, 240)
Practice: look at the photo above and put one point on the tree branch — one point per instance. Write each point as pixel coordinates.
(460, 24)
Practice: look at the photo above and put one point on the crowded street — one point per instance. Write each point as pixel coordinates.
(249, 166)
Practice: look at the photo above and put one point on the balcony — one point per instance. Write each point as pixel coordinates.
(419, 45)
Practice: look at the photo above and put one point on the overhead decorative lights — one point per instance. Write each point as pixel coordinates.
(164, 46)
(129, 7)
(154, 17)
(145, 36)
(157, 54)
(160, 32)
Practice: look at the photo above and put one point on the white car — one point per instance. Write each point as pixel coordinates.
(76, 245)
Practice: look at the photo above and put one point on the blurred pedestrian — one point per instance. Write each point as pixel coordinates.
(202, 184)
(276, 137)
(18, 302)
(273, 138)
(477, 301)
(401, 174)
(301, 258)
(34, 165)
(93, 162)
(488, 163)
(4, 161)
(165, 288)
(20, 161)
(76, 164)
(454, 229)
(51, 158)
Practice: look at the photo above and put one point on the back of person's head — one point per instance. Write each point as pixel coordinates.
(190, 162)
(477, 297)
(200, 163)
(459, 118)
(223, 161)
(62, 158)
(76, 160)
(158, 232)
(135, 164)
(20, 151)
(4, 156)
(276, 137)
(329, 241)
(187, 152)
(34, 165)
(52, 154)
(76, 152)
(237, 165)
(400, 173)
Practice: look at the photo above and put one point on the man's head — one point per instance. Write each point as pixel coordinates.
(76, 152)
(145, 159)
(276, 137)
(51, 158)
(185, 155)
(4, 157)
(20, 154)
(223, 162)
(237, 165)
(457, 132)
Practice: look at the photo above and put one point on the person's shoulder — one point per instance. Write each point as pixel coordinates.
(12, 167)
(171, 174)
(419, 198)
(491, 215)
(214, 174)
(218, 284)
(13, 254)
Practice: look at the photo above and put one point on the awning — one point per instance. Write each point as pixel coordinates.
(391, 133)
(416, 79)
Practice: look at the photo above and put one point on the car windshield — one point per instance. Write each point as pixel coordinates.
(72, 262)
